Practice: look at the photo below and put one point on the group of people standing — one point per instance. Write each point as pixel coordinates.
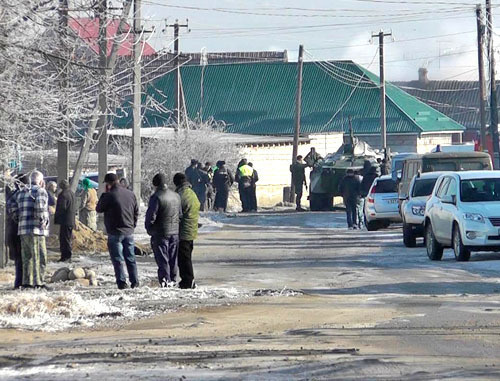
(28, 204)
(171, 221)
(354, 188)
(212, 185)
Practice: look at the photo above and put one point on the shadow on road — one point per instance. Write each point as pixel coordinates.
(413, 288)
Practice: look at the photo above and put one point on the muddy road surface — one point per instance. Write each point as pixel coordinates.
(281, 296)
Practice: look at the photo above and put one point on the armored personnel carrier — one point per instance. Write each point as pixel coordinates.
(327, 173)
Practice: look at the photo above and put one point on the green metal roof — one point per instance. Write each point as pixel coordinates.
(259, 99)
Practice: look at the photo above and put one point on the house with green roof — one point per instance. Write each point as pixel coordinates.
(259, 99)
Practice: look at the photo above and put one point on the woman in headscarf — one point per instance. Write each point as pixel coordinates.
(87, 214)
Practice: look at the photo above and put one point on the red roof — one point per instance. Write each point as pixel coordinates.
(88, 30)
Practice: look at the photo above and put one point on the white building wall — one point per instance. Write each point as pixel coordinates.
(428, 142)
(272, 162)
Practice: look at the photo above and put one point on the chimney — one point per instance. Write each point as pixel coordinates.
(422, 76)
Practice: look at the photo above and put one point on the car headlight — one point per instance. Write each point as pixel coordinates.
(474, 217)
(418, 210)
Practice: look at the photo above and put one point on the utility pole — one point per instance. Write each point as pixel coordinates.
(383, 121)
(493, 96)
(102, 123)
(136, 131)
(298, 110)
(482, 87)
(93, 122)
(177, 108)
(63, 142)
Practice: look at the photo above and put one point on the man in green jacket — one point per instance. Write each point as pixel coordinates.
(188, 230)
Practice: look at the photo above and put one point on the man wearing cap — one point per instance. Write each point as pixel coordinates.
(121, 212)
(162, 224)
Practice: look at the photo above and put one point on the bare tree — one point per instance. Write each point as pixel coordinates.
(203, 141)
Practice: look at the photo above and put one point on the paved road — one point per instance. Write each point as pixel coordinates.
(353, 305)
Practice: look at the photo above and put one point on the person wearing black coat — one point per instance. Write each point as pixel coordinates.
(253, 199)
(367, 181)
(12, 240)
(350, 189)
(223, 180)
(65, 217)
(162, 224)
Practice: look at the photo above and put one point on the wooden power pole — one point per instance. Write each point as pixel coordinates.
(136, 131)
(298, 110)
(177, 108)
(482, 87)
(383, 120)
(493, 96)
(94, 120)
(102, 122)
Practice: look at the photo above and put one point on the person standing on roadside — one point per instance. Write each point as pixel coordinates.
(188, 229)
(298, 180)
(223, 181)
(12, 239)
(191, 173)
(366, 184)
(210, 186)
(121, 212)
(360, 202)
(88, 203)
(65, 218)
(200, 187)
(31, 210)
(244, 176)
(162, 224)
(253, 198)
(350, 188)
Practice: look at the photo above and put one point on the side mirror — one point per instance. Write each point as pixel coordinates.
(446, 199)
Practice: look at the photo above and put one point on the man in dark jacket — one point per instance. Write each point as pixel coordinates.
(298, 180)
(65, 218)
(223, 181)
(188, 229)
(121, 212)
(13, 240)
(162, 224)
(350, 189)
(200, 186)
(191, 173)
(253, 198)
(367, 181)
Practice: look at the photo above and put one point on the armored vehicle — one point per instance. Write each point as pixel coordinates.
(327, 173)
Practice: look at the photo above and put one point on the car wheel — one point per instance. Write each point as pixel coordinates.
(434, 249)
(462, 253)
(372, 226)
(409, 238)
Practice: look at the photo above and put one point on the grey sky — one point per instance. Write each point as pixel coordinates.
(334, 29)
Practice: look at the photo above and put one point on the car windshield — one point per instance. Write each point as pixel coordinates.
(423, 187)
(386, 186)
(480, 190)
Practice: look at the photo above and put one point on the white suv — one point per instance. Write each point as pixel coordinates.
(463, 213)
(413, 207)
